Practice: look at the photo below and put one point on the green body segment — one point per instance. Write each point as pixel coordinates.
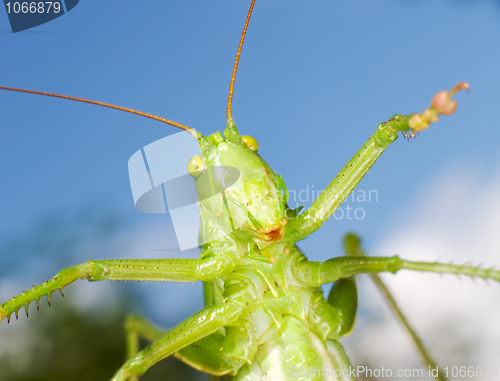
(265, 313)
(288, 329)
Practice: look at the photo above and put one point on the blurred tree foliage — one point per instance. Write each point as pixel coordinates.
(67, 342)
(64, 344)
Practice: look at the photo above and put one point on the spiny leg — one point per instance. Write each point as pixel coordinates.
(352, 173)
(353, 242)
(314, 274)
(175, 270)
(199, 325)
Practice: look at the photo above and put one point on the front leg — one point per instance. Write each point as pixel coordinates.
(349, 177)
(174, 270)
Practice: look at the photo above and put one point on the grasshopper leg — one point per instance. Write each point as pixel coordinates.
(238, 346)
(352, 173)
(312, 274)
(219, 354)
(199, 325)
(352, 244)
(344, 297)
(315, 274)
(175, 270)
(137, 326)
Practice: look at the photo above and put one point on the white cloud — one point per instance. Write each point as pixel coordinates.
(457, 219)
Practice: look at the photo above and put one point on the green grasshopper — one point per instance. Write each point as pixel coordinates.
(265, 314)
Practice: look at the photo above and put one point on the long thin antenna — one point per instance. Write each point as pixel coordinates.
(236, 61)
(171, 122)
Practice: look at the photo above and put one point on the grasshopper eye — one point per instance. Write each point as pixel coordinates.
(195, 166)
(251, 143)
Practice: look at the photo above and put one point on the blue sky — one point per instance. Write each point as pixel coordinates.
(314, 82)
(315, 79)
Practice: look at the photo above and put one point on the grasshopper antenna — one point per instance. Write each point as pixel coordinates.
(132, 111)
(235, 68)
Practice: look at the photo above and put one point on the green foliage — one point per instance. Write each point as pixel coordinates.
(64, 344)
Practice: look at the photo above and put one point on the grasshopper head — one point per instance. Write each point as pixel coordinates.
(249, 195)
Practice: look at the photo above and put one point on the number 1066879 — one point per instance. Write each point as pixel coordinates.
(33, 7)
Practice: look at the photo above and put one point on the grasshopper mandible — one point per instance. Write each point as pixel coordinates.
(264, 312)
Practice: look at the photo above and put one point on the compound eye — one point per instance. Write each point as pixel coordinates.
(251, 143)
(195, 166)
